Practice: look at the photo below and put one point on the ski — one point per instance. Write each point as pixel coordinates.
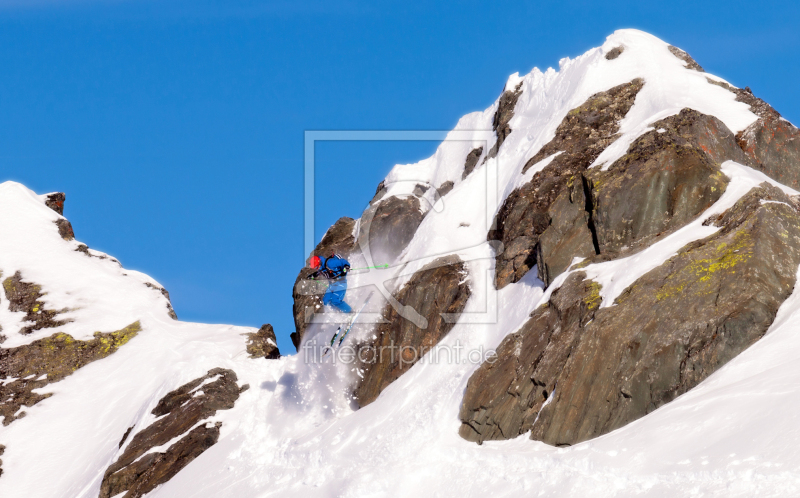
(350, 323)
(353, 321)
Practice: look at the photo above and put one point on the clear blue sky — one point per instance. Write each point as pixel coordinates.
(176, 127)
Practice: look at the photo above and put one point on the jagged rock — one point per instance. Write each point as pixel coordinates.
(614, 53)
(504, 396)
(2, 450)
(164, 293)
(503, 114)
(263, 344)
(379, 192)
(569, 234)
(667, 332)
(26, 297)
(438, 288)
(668, 177)
(580, 138)
(389, 226)
(65, 229)
(55, 201)
(472, 160)
(49, 360)
(445, 188)
(419, 189)
(771, 142)
(307, 294)
(137, 470)
(690, 63)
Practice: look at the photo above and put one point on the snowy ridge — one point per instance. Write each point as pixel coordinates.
(295, 432)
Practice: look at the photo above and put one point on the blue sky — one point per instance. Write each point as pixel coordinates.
(176, 127)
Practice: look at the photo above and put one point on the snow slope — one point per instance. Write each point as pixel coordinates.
(295, 432)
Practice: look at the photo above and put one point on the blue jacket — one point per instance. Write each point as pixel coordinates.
(334, 267)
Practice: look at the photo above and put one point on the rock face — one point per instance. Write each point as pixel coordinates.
(574, 372)
(686, 58)
(65, 229)
(503, 397)
(771, 142)
(307, 294)
(26, 297)
(668, 177)
(181, 412)
(55, 201)
(389, 226)
(263, 344)
(49, 360)
(438, 293)
(502, 116)
(471, 162)
(580, 138)
(614, 53)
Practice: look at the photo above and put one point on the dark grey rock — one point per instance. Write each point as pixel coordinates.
(138, 470)
(668, 177)
(502, 116)
(440, 287)
(472, 160)
(445, 188)
(686, 58)
(419, 189)
(614, 53)
(379, 192)
(667, 332)
(55, 357)
(388, 226)
(65, 229)
(164, 293)
(263, 344)
(55, 201)
(26, 297)
(583, 134)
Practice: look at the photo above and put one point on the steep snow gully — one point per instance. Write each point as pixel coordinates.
(627, 181)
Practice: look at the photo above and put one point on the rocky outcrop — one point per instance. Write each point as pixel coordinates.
(574, 372)
(504, 396)
(668, 177)
(184, 411)
(445, 188)
(686, 58)
(164, 293)
(771, 142)
(614, 53)
(65, 229)
(502, 116)
(580, 138)
(388, 226)
(438, 294)
(48, 360)
(263, 344)
(307, 294)
(55, 201)
(26, 297)
(472, 160)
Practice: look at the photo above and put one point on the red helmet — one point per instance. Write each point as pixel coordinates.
(314, 262)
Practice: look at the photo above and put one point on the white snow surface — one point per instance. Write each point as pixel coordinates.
(295, 432)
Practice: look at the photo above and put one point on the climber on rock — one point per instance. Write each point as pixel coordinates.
(333, 268)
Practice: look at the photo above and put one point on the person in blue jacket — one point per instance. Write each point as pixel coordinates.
(333, 268)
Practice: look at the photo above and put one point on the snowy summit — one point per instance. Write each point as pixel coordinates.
(589, 289)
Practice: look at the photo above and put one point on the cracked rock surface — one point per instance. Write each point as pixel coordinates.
(574, 372)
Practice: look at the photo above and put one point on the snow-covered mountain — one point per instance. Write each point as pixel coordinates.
(593, 279)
